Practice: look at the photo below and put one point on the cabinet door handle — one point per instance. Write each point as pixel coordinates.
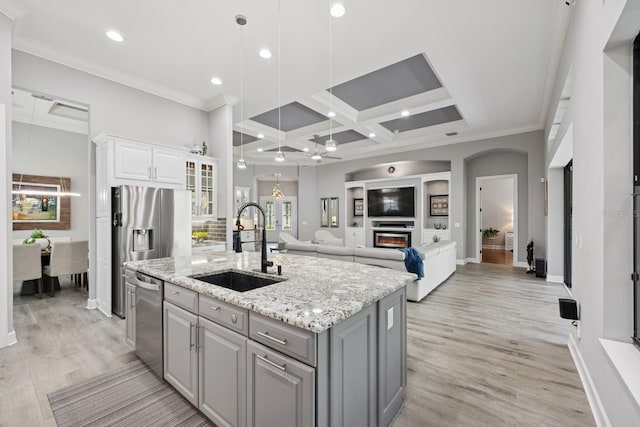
(132, 298)
(191, 344)
(197, 337)
(234, 319)
(175, 292)
(275, 365)
(215, 308)
(269, 337)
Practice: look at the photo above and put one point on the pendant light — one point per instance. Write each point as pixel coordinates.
(279, 155)
(330, 145)
(241, 20)
(26, 192)
(277, 193)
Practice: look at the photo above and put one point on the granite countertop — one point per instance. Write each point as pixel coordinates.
(315, 294)
(206, 243)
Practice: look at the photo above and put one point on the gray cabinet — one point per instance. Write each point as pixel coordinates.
(353, 364)
(223, 374)
(280, 390)
(130, 315)
(392, 350)
(180, 351)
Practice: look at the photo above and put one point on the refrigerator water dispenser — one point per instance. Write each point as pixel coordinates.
(143, 240)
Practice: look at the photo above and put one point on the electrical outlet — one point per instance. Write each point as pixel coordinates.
(456, 225)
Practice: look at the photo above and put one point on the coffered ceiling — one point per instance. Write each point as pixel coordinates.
(469, 68)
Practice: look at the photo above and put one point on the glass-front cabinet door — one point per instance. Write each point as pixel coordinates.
(206, 189)
(191, 185)
(201, 182)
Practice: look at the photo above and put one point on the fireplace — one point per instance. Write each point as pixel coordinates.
(391, 239)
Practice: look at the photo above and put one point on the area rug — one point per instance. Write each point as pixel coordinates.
(128, 396)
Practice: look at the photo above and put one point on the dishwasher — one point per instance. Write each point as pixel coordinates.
(149, 321)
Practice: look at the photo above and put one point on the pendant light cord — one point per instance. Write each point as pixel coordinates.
(241, 93)
(330, 73)
(279, 79)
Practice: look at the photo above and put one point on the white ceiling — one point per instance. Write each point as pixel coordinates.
(496, 59)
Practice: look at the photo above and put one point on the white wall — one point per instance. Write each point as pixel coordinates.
(54, 152)
(497, 208)
(600, 116)
(7, 334)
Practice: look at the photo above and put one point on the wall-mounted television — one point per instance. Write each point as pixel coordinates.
(399, 201)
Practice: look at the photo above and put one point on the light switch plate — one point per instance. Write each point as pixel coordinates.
(390, 318)
(456, 225)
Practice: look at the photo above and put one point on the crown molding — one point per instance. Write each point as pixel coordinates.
(32, 47)
(12, 9)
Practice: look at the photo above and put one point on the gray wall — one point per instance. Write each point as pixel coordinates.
(54, 152)
(403, 168)
(503, 163)
(329, 182)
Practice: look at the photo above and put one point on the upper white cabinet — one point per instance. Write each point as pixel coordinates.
(124, 161)
(146, 162)
(201, 180)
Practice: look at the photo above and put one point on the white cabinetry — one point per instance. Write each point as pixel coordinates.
(508, 241)
(354, 237)
(201, 180)
(130, 315)
(180, 351)
(148, 163)
(103, 265)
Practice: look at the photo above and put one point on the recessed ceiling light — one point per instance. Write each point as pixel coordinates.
(337, 10)
(372, 135)
(265, 53)
(331, 114)
(305, 149)
(260, 150)
(115, 36)
(260, 136)
(405, 113)
(216, 81)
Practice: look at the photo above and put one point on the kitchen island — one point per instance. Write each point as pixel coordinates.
(324, 346)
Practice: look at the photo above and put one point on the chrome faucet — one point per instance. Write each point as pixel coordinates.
(264, 262)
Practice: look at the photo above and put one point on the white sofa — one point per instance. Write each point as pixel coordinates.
(439, 261)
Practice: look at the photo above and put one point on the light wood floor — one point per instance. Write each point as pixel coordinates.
(487, 348)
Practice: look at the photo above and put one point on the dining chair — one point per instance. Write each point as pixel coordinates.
(27, 264)
(67, 258)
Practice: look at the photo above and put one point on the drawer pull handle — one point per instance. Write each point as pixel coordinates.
(275, 365)
(215, 308)
(269, 337)
(175, 292)
(234, 319)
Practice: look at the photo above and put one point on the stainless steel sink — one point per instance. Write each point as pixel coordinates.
(236, 281)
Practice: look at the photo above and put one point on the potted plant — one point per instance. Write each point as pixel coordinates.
(38, 237)
(490, 233)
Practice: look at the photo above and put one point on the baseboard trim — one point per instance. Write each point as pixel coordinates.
(104, 309)
(521, 264)
(11, 338)
(473, 260)
(555, 279)
(92, 304)
(597, 409)
(461, 261)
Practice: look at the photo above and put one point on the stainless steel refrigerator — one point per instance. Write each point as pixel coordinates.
(147, 223)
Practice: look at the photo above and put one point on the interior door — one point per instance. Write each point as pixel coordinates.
(568, 218)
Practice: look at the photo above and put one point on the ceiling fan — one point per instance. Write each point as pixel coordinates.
(318, 156)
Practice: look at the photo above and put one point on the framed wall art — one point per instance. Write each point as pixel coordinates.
(38, 208)
(439, 205)
(358, 207)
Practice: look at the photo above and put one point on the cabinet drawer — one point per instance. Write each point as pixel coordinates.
(248, 236)
(225, 314)
(287, 339)
(182, 297)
